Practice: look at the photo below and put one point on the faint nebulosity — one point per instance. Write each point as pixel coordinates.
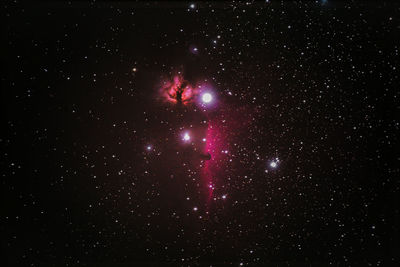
(200, 133)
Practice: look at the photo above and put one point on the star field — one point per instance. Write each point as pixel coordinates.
(200, 134)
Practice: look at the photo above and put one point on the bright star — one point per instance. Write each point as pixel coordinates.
(186, 137)
(207, 97)
(274, 163)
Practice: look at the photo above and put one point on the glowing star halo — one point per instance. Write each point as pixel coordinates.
(207, 98)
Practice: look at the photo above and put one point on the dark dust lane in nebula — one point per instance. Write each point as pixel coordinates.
(200, 134)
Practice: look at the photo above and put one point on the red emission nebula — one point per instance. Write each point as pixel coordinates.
(178, 91)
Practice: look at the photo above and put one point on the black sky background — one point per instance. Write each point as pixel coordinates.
(314, 84)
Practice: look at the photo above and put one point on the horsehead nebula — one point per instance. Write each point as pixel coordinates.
(196, 106)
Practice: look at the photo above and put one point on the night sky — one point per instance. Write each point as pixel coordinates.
(200, 134)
